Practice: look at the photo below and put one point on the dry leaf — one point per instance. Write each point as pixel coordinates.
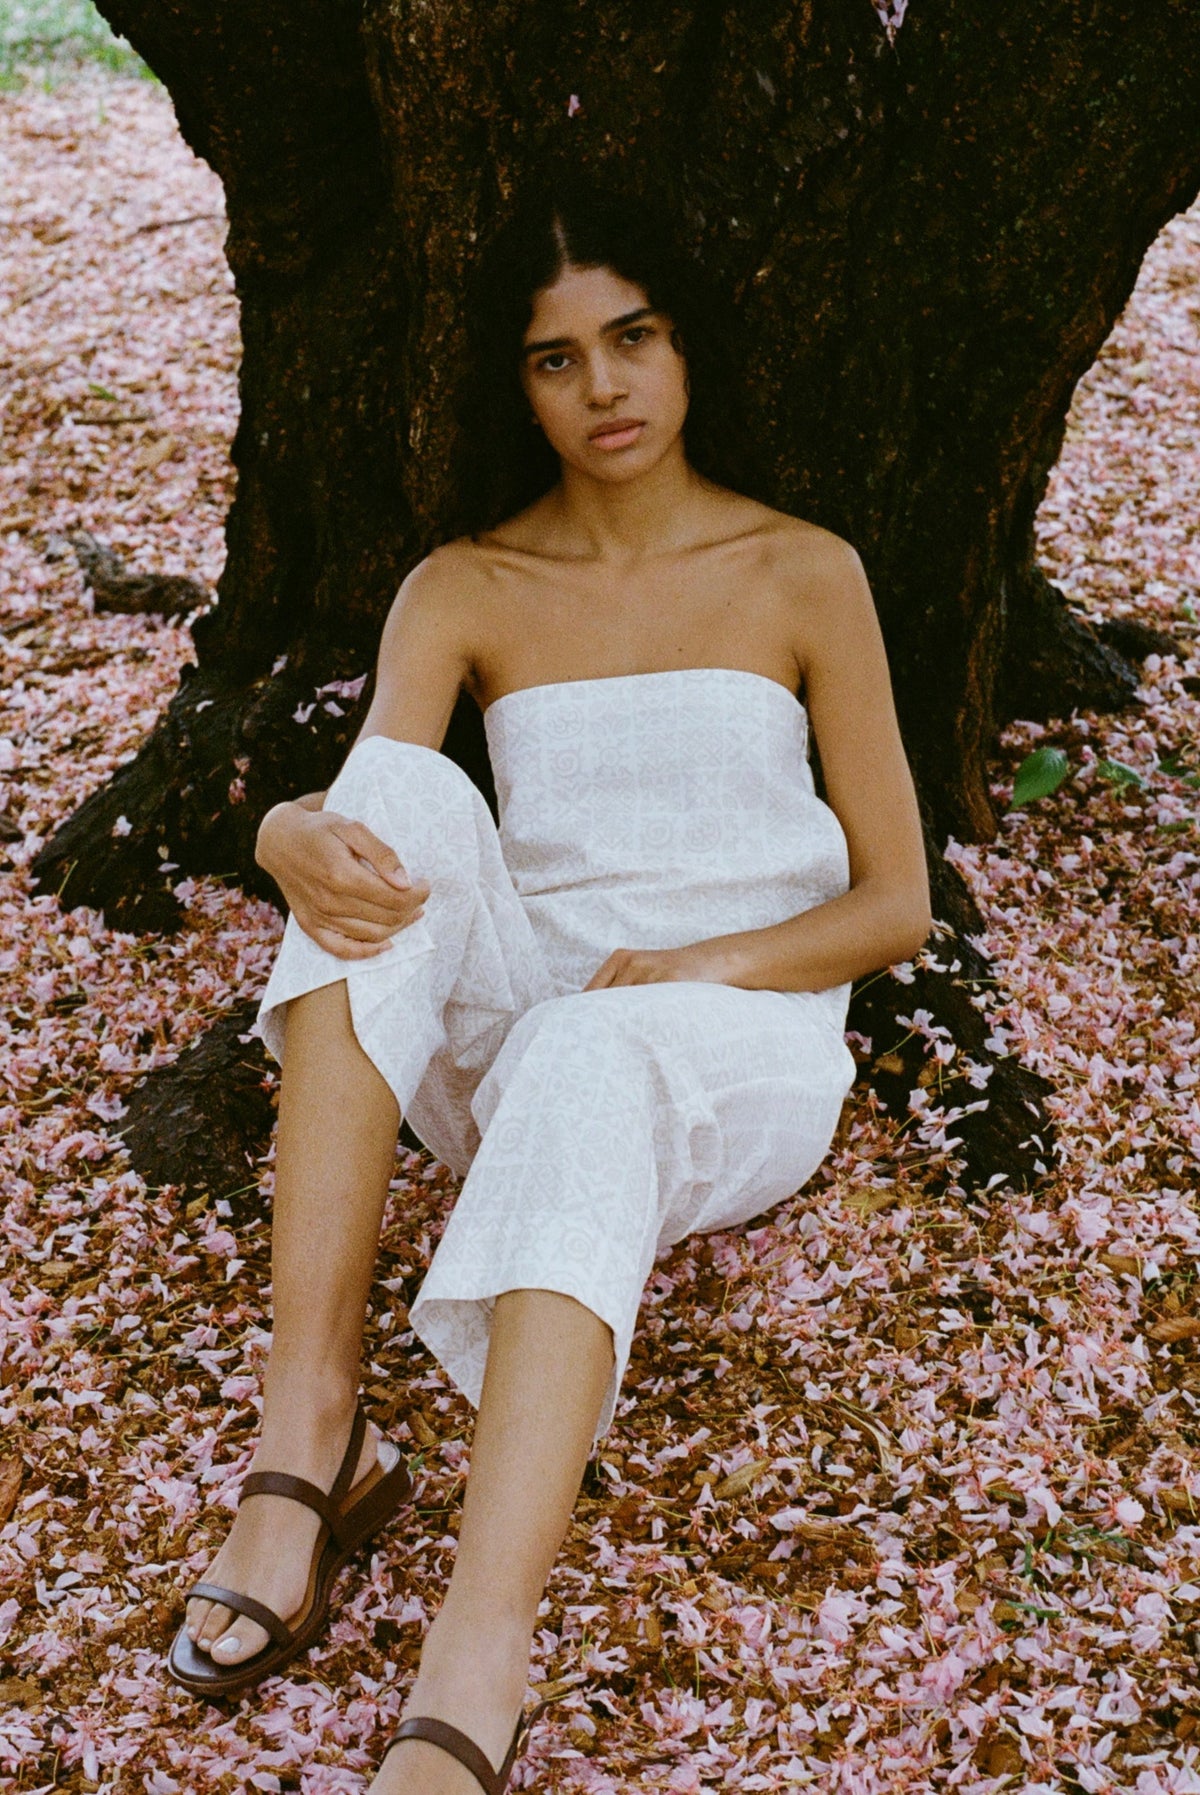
(1121, 1262)
(741, 1480)
(420, 1429)
(551, 1692)
(11, 1472)
(1001, 1757)
(20, 1692)
(652, 1630)
(1175, 1327)
(819, 1531)
(869, 1202)
(891, 1457)
(154, 452)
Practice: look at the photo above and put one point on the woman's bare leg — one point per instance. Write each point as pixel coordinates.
(338, 1123)
(549, 1362)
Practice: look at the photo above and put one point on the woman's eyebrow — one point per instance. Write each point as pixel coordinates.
(621, 323)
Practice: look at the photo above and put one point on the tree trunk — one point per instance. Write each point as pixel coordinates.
(931, 238)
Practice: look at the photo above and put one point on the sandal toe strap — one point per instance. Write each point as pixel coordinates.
(299, 1489)
(449, 1738)
(266, 1617)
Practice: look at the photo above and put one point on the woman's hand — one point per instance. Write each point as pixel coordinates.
(708, 962)
(345, 887)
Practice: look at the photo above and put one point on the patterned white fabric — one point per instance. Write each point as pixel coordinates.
(593, 1127)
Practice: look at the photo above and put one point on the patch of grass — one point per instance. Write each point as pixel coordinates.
(45, 40)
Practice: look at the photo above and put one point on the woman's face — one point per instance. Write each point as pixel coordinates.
(600, 370)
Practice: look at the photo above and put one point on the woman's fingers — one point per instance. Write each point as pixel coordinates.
(348, 940)
(359, 928)
(343, 947)
(336, 901)
(359, 887)
(383, 861)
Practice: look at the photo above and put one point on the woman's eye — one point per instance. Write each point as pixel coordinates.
(636, 332)
(553, 364)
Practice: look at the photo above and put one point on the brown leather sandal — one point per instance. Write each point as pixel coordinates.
(345, 1524)
(449, 1738)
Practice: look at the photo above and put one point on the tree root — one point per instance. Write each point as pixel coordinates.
(1010, 1134)
(160, 594)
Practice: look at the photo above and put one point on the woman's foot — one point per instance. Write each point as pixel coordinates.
(474, 1679)
(269, 1550)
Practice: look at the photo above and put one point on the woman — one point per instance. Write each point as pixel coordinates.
(622, 1016)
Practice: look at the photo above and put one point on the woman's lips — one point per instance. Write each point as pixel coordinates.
(620, 434)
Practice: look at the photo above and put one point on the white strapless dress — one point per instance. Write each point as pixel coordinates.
(593, 1128)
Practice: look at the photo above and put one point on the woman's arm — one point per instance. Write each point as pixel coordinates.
(885, 916)
(345, 887)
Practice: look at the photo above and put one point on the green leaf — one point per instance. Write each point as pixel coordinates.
(1039, 774)
(100, 392)
(1117, 773)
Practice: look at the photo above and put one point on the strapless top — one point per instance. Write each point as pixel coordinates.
(656, 809)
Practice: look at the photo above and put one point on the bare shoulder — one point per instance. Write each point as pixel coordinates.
(427, 650)
(447, 577)
(810, 561)
(443, 597)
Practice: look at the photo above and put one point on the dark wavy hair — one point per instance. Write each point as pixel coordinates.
(501, 463)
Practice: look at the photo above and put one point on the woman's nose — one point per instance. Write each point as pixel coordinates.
(604, 383)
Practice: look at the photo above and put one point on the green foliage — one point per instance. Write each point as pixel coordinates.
(46, 39)
(1043, 771)
(1117, 773)
(1039, 774)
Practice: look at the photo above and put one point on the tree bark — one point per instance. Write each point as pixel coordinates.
(930, 238)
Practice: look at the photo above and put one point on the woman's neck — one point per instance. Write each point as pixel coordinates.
(623, 522)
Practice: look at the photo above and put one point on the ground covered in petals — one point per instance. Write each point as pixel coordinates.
(905, 1491)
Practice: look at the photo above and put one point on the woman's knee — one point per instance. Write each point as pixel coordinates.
(577, 1024)
(411, 797)
(380, 763)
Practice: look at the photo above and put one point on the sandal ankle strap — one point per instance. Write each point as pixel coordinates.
(450, 1739)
